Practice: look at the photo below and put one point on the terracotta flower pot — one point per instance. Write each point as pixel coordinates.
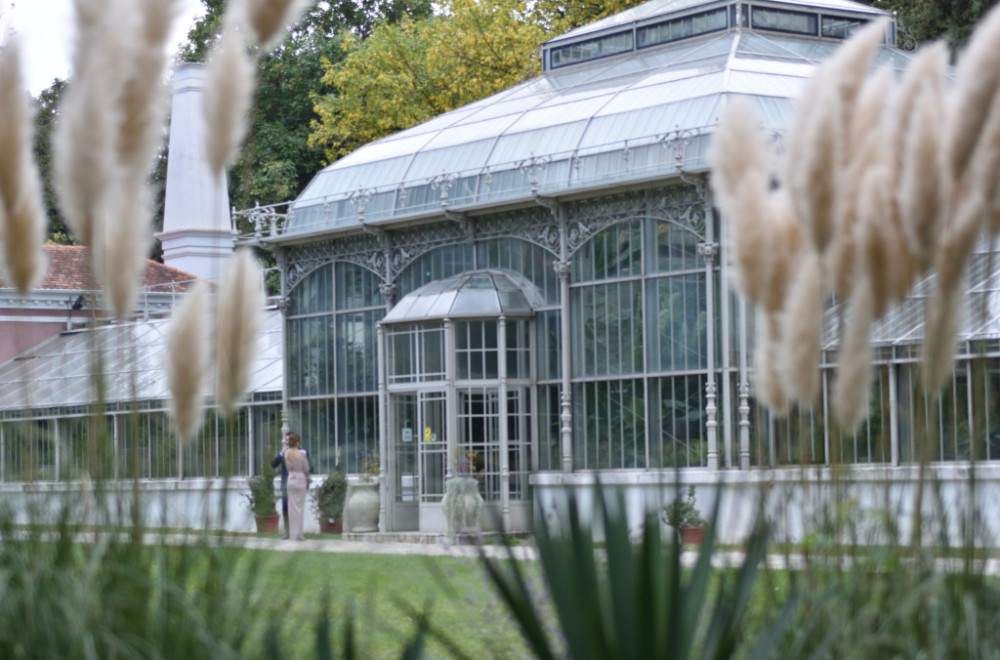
(328, 526)
(692, 535)
(267, 524)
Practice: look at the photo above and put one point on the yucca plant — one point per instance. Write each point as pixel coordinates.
(629, 599)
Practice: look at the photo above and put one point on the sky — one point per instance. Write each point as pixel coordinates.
(45, 29)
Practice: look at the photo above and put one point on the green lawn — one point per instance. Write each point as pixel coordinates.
(382, 591)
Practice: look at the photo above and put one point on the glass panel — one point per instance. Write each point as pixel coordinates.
(316, 423)
(613, 253)
(518, 442)
(841, 27)
(357, 287)
(479, 437)
(609, 425)
(678, 422)
(518, 354)
(476, 350)
(357, 355)
(677, 323)
(356, 438)
(548, 338)
(676, 248)
(433, 446)
(310, 349)
(607, 329)
(592, 49)
(682, 28)
(530, 261)
(405, 442)
(313, 294)
(549, 439)
(784, 21)
(439, 264)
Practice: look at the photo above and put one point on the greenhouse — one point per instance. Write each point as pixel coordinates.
(535, 289)
(539, 280)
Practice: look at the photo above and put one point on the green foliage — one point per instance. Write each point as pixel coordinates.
(927, 20)
(45, 118)
(328, 498)
(682, 512)
(409, 72)
(635, 602)
(262, 496)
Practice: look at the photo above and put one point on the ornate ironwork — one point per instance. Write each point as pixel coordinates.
(534, 225)
(531, 166)
(253, 224)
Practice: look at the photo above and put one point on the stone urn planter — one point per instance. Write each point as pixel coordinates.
(361, 509)
(463, 506)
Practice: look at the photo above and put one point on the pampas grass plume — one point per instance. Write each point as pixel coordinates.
(269, 17)
(120, 248)
(187, 360)
(228, 95)
(801, 331)
(23, 222)
(240, 304)
(739, 180)
(923, 190)
(85, 139)
(817, 133)
(143, 96)
(850, 389)
(977, 81)
(767, 383)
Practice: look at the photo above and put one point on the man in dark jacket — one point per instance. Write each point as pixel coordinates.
(279, 459)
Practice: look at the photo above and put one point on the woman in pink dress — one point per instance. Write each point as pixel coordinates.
(297, 463)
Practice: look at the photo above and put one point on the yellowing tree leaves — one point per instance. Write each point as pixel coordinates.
(409, 72)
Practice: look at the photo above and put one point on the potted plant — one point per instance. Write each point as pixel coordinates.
(683, 516)
(462, 503)
(328, 501)
(361, 509)
(263, 500)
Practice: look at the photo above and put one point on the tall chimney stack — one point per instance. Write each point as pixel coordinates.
(197, 232)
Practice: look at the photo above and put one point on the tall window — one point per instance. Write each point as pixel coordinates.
(332, 363)
(638, 301)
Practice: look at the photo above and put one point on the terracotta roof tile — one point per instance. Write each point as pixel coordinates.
(69, 268)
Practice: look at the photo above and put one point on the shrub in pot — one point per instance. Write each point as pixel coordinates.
(683, 516)
(328, 501)
(263, 499)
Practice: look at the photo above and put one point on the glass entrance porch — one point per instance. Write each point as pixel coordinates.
(459, 394)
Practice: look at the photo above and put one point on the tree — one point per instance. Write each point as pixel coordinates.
(45, 119)
(411, 71)
(927, 20)
(277, 160)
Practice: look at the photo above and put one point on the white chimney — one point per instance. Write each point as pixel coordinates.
(197, 232)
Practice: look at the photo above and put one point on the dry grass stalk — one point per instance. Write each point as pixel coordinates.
(228, 94)
(23, 222)
(238, 316)
(187, 361)
(269, 17)
(120, 246)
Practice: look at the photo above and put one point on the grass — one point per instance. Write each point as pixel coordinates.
(380, 592)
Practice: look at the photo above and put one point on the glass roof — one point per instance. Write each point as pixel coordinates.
(475, 294)
(905, 323)
(58, 372)
(604, 122)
